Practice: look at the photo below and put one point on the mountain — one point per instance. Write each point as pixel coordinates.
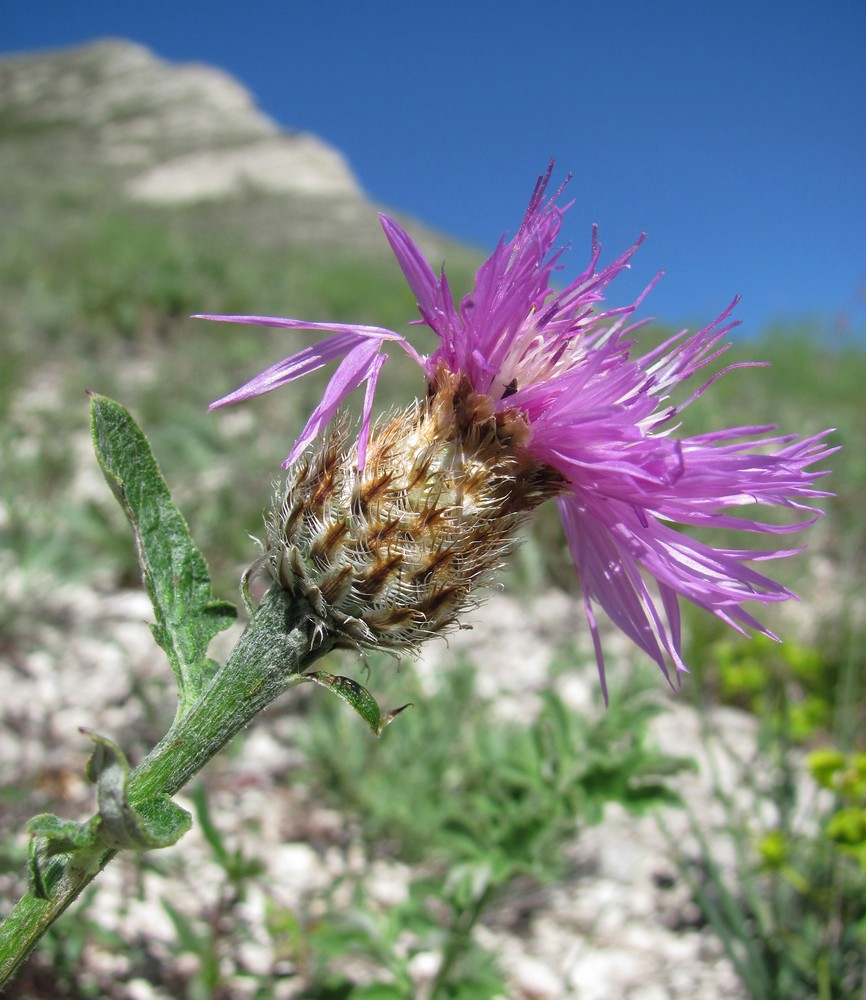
(113, 117)
(169, 133)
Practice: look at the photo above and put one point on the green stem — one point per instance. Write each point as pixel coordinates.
(458, 940)
(270, 657)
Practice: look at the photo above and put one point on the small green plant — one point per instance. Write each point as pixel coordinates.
(422, 944)
(791, 914)
(790, 684)
(845, 776)
(485, 803)
(215, 934)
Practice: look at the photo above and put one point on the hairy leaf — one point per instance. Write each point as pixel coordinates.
(173, 569)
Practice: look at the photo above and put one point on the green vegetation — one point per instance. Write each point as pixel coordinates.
(790, 909)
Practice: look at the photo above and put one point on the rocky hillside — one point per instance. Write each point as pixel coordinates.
(174, 132)
(113, 113)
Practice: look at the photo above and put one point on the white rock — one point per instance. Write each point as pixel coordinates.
(603, 974)
(535, 980)
(424, 966)
(296, 165)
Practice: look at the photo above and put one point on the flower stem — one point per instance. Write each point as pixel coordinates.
(271, 656)
(458, 941)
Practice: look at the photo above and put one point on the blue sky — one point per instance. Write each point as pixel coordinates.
(733, 133)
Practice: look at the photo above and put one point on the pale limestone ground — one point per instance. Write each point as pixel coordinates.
(622, 925)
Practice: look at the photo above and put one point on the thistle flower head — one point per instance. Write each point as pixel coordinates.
(391, 554)
(532, 393)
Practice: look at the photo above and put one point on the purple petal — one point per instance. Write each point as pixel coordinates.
(305, 361)
(357, 366)
(605, 577)
(432, 294)
(364, 434)
(359, 329)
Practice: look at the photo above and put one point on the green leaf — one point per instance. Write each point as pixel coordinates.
(207, 826)
(51, 836)
(174, 571)
(379, 991)
(154, 822)
(358, 697)
(186, 932)
(161, 822)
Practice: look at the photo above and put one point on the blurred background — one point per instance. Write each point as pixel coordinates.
(159, 160)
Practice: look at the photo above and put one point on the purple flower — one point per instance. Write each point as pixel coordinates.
(560, 366)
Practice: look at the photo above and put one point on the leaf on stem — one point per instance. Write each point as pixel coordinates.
(173, 569)
(358, 697)
(153, 823)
